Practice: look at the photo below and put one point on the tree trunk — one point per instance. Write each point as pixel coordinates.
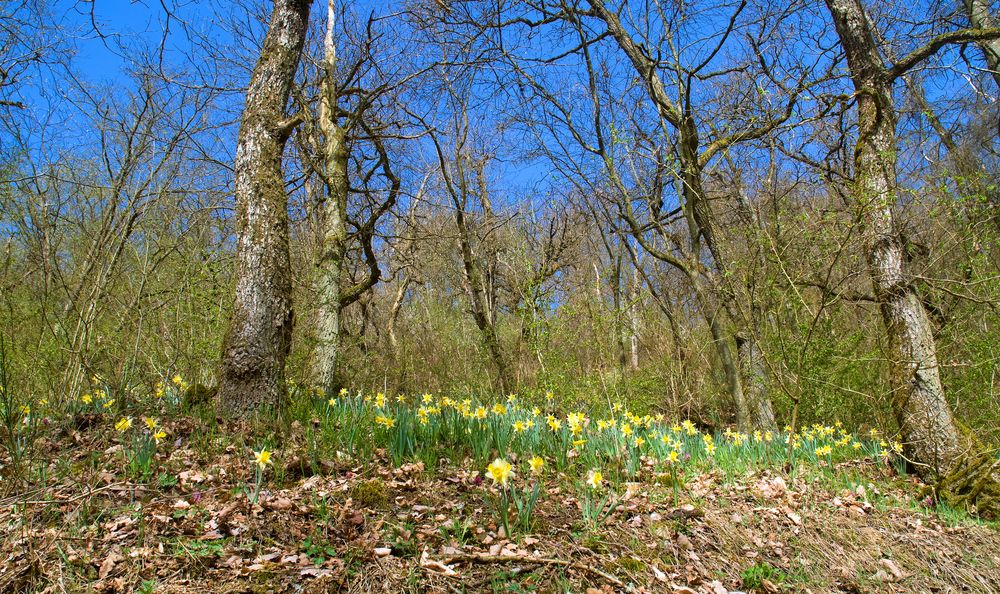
(333, 249)
(723, 347)
(979, 15)
(929, 432)
(633, 320)
(260, 331)
(753, 372)
(478, 301)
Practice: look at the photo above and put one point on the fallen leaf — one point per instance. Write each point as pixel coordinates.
(436, 566)
(108, 565)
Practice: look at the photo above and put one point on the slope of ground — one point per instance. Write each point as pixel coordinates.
(342, 524)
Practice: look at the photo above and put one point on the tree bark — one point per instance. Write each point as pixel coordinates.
(979, 15)
(929, 432)
(753, 371)
(260, 331)
(333, 248)
(478, 300)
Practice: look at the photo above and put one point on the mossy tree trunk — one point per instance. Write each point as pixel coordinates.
(333, 249)
(931, 437)
(978, 12)
(259, 336)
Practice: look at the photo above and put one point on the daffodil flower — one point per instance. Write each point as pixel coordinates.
(262, 458)
(500, 471)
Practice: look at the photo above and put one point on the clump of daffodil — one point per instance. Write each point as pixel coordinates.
(261, 459)
(523, 501)
(139, 447)
(596, 503)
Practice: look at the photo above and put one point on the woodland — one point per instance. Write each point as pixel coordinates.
(500, 296)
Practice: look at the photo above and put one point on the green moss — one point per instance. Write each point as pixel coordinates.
(370, 493)
(973, 485)
(632, 565)
(198, 396)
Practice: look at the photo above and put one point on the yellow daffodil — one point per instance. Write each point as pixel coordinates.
(672, 456)
(159, 435)
(500, 470)
(87, 399)
(519, 427)
(594, 479)
(124, 424)
(262, 458)
(150, 422)
(536, 464)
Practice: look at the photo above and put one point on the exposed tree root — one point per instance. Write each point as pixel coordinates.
(973, 484)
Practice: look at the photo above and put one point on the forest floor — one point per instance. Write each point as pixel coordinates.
(342, 524)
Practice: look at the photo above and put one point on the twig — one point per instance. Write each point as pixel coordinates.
(486, 558)
(70, 499)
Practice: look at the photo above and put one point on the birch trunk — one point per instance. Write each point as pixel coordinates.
(333, 248)
(260, 331)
